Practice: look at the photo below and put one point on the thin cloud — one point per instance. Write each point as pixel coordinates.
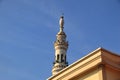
(43, 6)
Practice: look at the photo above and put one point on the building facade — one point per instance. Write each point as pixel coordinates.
(100, 64)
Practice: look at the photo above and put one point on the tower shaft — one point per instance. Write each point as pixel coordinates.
(61, 46)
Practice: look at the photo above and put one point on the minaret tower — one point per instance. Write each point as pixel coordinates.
(61, 46)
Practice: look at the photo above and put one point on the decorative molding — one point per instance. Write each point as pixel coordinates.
(93, 59)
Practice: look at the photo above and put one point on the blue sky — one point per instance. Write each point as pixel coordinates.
(28, 30)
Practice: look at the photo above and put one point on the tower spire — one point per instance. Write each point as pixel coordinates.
(61, 46)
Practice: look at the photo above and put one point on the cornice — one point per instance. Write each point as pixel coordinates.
(91, 60)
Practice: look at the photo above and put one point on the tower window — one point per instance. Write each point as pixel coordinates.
(58, 57)
(62, 60)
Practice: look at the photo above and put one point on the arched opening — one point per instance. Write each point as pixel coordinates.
(57, 57)
(62, 59)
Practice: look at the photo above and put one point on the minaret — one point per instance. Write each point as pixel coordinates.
(61, 46)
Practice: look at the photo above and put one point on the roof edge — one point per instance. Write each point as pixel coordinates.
(89, 54)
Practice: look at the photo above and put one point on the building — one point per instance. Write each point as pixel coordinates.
(100, 64)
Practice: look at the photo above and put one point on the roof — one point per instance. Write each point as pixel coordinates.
(100, 55)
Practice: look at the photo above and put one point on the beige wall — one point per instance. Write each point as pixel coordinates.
(95, 74)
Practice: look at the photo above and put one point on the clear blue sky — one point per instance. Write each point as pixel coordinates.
(28, 29)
